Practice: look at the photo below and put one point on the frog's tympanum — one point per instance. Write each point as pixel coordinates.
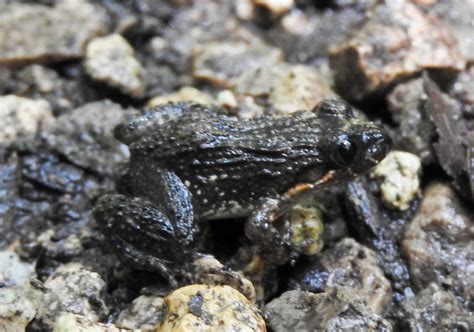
(191, 163)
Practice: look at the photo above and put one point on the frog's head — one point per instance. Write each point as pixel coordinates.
(352, 146)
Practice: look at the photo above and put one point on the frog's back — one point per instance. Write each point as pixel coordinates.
(229, 164)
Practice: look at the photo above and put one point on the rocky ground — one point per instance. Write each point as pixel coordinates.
(393, 250)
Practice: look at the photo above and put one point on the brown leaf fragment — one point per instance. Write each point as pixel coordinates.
(453, 144)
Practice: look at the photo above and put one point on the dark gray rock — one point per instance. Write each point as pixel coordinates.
(434, 309)
(337, 310)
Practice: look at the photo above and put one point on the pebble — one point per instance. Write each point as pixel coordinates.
(400, 185)
(355, 267)
(14, 272)
(145, 312)
(111, 60)
(286, 87)
(22, 116)
(18, 306)
(219, 62)
(73, 289)
(68, 322)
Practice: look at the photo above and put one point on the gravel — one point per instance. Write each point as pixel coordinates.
(391, 250)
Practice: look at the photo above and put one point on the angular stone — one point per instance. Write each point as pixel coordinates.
(218, 63)
(286, 88)
(354, 267)
(397, 41)
(406, 102)
(73, 289)
(111, 60)
(337, 310)
(434, 309)
(35, 33)
(438, 242)
(14, 272)
(18, 306)
(145, 312)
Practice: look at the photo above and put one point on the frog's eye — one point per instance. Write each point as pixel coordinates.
(344, 153)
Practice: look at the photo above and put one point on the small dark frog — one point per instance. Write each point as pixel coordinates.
(190, 163)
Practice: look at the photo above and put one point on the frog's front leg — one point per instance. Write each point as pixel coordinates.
(274, 246)
(274, 243)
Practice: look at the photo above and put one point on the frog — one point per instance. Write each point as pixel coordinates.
(190, 163)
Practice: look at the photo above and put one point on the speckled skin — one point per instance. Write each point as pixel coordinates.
(188, 156)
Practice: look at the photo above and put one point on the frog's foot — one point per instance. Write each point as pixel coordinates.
(205, 269)
(274, 246)
(140, 261)
(141, 234)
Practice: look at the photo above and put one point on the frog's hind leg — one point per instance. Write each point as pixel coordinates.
(140, 233)
(166, 192)
(141, 261)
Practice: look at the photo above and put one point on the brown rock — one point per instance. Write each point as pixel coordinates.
(434, 309)
(36, 33)
(218, 63)
(354, 266)
(397, 41)
(438, 243)
(457, 14)
(285, 88)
